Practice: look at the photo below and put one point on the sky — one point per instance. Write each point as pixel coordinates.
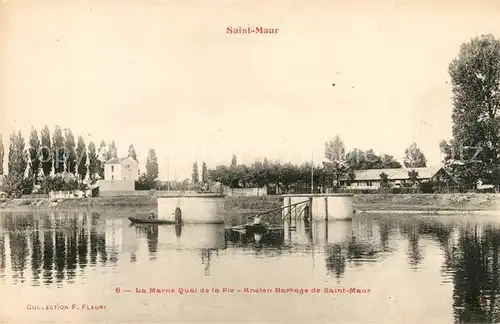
(167, 76)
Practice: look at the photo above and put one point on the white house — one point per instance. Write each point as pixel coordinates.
(121, 169)
(120, 175)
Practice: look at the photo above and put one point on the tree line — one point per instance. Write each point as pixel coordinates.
(338, 166)
(57, 162)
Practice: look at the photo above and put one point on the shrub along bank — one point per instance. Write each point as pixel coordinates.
(465, 201)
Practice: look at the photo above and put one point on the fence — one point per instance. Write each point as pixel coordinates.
(245, 192)
(423, 188)
(35, 196)
(146, 193)
(69, 194)
(135, 193)
(420, 190)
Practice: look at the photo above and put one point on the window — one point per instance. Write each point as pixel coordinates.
(112, 177)
(369, 183)
(112, 168)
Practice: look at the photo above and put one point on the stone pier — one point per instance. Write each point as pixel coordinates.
(195, 209)
(322, 206)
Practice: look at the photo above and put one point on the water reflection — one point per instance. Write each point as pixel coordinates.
(274, 239)
(59, 248)
(151, 233)
(2, 256)
(53, 246)
(205, 238)
(475, 274)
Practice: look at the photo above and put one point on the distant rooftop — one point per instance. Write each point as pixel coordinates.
(395, 174)
(118, 160)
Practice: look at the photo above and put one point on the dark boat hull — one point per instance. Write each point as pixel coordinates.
(152, 221)
(255, 229)
(250, 229)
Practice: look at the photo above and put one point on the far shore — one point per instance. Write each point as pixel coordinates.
(367, 203)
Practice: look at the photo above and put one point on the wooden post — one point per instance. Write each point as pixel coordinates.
(290, 210)
(311, 209)
(326, 208)
(326, 233)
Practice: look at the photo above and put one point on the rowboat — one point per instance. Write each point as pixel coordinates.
(250, 229)
(138, 220)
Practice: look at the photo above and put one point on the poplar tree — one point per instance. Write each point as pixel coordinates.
(46, 152)
(34, 153)
(113, 152)
(103, 156)
(70, 158)
(152, 166)
(204, 172)
(94, 163)
(59, 151)
(18, 161)
(81, 158)
(132, 153)
(195, 175)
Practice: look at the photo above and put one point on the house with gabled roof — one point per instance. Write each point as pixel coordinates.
(370, 179)
(124, 168)
(120, 175)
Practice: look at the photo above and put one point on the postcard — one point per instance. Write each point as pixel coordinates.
(249, 162)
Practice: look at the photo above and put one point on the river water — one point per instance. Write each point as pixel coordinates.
(89, 267)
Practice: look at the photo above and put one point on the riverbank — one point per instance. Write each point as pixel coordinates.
(428, 203)
(409, 203)
(130, 203)
(138, 203)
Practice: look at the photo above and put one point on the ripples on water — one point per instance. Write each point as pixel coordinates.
(462, 254)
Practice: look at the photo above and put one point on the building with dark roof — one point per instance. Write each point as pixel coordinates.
(370, 179)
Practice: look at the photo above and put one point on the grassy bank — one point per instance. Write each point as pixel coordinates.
(389, 202)
(252, 204)
(131, 203)
(428, 202)
(232, 204)
(403, 202)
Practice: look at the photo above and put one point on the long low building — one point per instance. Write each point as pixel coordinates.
(370, 179)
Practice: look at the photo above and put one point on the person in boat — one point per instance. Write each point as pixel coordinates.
(257, 225)
(258, 229)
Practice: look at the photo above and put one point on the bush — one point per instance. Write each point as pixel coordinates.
(12, 185)
(59, 183)
(426, 187)
(83, 186)
(487, 190)
(27, 186)
(144, 183)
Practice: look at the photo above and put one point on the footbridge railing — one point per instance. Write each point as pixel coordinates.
(293, 211)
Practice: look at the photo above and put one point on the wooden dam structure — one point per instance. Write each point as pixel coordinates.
(208, 209)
